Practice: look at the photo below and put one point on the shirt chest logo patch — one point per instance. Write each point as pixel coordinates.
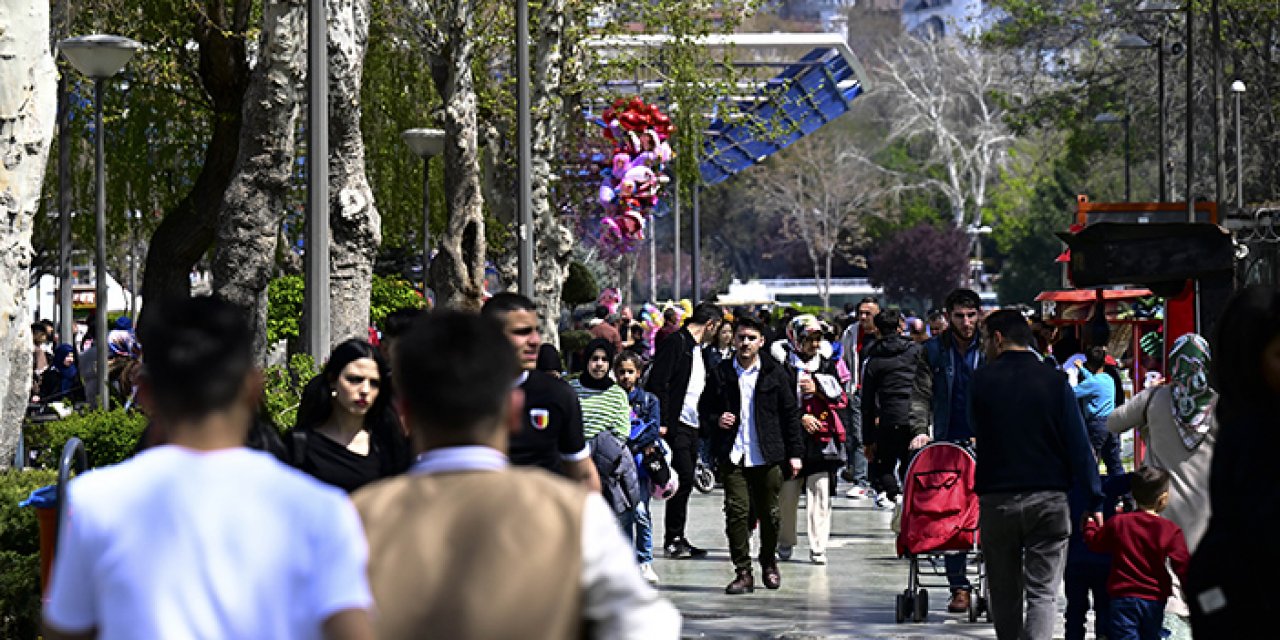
(540, 418)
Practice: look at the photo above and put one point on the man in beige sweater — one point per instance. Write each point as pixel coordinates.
(466, 546)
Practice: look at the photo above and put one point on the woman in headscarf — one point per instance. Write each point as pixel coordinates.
(606, 423)
(819, 382)
(1228, 587)
(61, 381)
(1176, 422)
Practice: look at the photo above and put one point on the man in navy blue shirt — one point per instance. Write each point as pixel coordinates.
(940, 398)
(1033, 448)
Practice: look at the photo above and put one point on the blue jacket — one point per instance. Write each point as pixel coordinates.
(1097, 393)
(931, 393)
(646, 416)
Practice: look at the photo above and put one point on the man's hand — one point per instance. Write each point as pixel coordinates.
(796, 466)
(807, 386)
(662, 432)
(1096, 518)
(918, 442)
(811, 424)
(726, 420)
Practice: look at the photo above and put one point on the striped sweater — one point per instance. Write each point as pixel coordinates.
(604, 410)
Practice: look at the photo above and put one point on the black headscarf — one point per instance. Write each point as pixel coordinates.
(597, 344)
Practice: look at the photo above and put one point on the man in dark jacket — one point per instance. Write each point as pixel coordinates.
(1032, 447)
(887, 379)
(677, 377)
(940, 397)
(753, 420)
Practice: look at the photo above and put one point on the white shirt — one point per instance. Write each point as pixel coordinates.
(178, 543)
(615, 598)
(697, 382)
(746, 446)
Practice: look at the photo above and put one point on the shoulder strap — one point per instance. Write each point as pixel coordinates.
(298, 447)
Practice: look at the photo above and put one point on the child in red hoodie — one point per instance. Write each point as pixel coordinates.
(1139, 543)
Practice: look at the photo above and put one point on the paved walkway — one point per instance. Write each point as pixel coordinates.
(850, 597)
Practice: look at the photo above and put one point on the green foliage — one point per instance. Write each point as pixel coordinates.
(392, 294)
(20, 553)
(109, 436)
(283, 386)
(580, 287)
(572, 342)
(285, 300)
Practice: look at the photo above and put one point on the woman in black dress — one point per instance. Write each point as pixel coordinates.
(347, 433)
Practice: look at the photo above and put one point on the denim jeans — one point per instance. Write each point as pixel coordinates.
(857, 458)
(1106, 445)
(1083, 581)
(627, 520)
(1024, 541)
(643, 525)
(1136, 619)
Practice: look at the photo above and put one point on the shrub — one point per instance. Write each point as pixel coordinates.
(20, 554)
(283, 389)
(392, 294)
(580, 287)
(108, 436)
(285, 297)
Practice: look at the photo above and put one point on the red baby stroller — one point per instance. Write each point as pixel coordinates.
(939, 518)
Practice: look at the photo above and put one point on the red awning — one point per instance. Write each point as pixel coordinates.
(1089, 295)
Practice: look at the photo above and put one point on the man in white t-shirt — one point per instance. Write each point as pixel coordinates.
(201, 537)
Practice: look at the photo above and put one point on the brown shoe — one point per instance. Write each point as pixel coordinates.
(771, 578)
(959, 601)
(743, 583)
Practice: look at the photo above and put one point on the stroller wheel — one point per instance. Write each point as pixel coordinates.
(900, 608)
(704, 479)
(921, 609)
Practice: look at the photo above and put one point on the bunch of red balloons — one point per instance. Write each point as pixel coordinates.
(630, 185)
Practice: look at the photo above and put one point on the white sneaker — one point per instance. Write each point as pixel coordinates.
(818, 558)
(857, 493)
(882, 501)
(649, 575)
(784, 552)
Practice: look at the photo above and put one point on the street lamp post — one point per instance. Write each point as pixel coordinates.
(976, 232)
(426, 144)
(1111, 118)
(99, 57)
(524, 152)
(1133, 42)
(1237, 92)
(1158, 6)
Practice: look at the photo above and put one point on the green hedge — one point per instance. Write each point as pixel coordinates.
(20, 554)
(285, 297)
(283, 389)
(108, 436)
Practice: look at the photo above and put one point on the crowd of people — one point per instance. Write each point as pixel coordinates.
(437, 480)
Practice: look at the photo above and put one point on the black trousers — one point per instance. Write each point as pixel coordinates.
(683, 440)
(1106, 445)
(893, 454)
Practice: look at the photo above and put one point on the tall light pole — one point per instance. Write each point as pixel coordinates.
(977, 232)
(1160, 6)
(1237, 92)
(1111, 118)
(99, 56)
(426, 144)
(66, 321)
(1134, 42)
(695, 247)
(524, 144)
(316, 264)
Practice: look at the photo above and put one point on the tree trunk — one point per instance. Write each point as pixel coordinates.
(553, 59)
(353, 218)
(28, 111)
(254, 203)
(457, 272)
(188, 229)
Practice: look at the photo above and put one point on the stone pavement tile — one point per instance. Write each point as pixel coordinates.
(852, 596)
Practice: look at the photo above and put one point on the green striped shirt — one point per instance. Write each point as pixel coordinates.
(601, 410)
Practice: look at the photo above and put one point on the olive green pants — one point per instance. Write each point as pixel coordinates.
(752, 491)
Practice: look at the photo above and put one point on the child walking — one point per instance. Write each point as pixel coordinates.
(645, 414)
(1139, 544)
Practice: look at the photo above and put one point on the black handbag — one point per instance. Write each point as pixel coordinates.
(656, 467)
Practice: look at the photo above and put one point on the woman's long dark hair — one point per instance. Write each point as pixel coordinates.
(1250, 322)
(380, 421)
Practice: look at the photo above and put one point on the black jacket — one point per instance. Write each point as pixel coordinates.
(888, 376)
(669, 374)
(777, 415)
(1031, 436)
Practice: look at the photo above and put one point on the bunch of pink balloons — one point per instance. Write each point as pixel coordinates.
(630, 186)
